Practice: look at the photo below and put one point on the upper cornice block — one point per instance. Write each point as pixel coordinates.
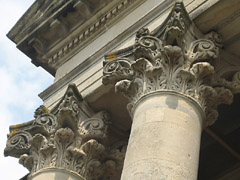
(49, 30)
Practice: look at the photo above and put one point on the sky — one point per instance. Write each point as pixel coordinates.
(20, 84)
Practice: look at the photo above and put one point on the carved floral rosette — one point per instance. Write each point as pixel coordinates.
(70, 137)
(173, 57)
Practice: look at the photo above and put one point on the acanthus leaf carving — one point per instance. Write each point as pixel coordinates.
(70, 136)
(233, 85)
(116, 156)
(37, 142)
(26, 161)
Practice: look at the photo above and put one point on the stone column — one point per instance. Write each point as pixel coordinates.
(69, 143)
(165, 138)
(169, 77)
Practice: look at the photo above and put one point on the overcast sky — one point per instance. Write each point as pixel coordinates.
(20, 84)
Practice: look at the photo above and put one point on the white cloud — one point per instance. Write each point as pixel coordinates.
(20, 83)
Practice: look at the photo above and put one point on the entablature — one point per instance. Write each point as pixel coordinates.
(50, 32)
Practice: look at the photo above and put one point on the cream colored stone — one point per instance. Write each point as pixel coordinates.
(165, 139)
(55, 174)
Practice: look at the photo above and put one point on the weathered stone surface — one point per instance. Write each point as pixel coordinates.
(173, 89)
(71, 138)
(174, 57)
(165, 139)
(220, 79)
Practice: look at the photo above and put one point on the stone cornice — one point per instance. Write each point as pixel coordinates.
(59, 29)
(89, 33)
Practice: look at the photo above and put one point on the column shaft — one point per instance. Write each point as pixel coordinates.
(55, 174)
(165, 139)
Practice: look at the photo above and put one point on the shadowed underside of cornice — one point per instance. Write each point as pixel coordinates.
(51, 30)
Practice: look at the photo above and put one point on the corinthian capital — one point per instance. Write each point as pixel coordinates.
(176, 57)
(70, 136)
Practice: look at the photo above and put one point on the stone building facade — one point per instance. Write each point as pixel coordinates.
(138, 84)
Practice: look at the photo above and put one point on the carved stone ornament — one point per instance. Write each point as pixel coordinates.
(70, 137)
(177, 57)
